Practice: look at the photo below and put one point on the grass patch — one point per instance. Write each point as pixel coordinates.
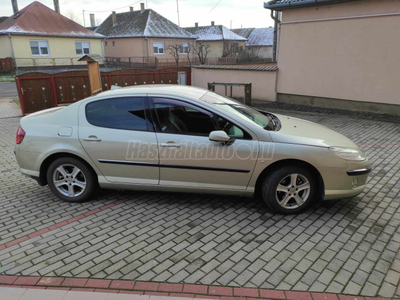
(16, 101)
(6, 78)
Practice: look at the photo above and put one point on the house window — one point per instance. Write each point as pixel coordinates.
(82, 48)
(39, 48)
(113, 44)
(105, 44)
(184, 48)
(158, 48)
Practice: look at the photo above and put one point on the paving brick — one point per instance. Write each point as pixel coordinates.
(74, 282)
(170, 287)
(146, 286)
(195, 289)
(272, 294)
(246, 292)
(122, 284)
(23, 280)
(221, 291)
(50, 281)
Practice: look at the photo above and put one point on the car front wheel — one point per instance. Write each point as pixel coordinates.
(70, 179)
(289, 189)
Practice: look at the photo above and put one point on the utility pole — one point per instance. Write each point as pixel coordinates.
(83, 15)
(177, 10)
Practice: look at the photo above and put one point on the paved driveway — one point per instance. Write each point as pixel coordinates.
(348, 246)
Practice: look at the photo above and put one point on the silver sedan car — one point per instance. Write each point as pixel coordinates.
(180, 138)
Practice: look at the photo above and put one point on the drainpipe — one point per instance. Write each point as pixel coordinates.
(276, 33)
(148, 49)
(12, 52)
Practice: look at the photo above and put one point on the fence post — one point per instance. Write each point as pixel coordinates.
(53, 91)
(21, 96)
(129, 62)
(109, 80)
(247, 94)
(155, 77)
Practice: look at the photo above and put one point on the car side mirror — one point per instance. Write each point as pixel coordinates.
(221, 136)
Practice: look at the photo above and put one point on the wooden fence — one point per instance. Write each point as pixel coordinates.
(6, 64)
(39, 91)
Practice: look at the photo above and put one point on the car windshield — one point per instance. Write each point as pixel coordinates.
(238, 109)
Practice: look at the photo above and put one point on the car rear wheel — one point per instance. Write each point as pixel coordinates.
(70, 179)
(289, 189)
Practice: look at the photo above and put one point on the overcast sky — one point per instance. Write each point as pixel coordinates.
(242, 13)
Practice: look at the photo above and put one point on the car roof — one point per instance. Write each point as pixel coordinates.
(167, 89)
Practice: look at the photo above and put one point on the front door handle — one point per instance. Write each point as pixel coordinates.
(92, 138)
(170, 145)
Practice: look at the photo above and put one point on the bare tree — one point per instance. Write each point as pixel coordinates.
(189, 49)
(175, 51)
(202, 51)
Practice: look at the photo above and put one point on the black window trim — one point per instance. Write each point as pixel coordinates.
(213, 116)
(149, 121)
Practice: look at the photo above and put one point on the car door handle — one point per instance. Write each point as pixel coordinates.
(170, 145)
(92, 138)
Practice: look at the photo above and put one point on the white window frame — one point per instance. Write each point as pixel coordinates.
(182, 47)
(159, 45)
(41, 44)
(82, 44)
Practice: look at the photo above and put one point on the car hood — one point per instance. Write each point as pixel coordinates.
(298, 131)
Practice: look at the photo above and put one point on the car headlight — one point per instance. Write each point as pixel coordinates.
(352, 154)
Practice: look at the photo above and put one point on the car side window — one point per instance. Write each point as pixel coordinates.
(232, 130)
(178, 117)
(127, 113)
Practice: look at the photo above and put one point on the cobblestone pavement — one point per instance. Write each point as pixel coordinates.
(347, 246)
(8, 109)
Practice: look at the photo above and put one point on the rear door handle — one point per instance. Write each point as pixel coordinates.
(92, 138)
(170, 145)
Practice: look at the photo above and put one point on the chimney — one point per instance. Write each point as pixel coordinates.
(196, 24)
(212, 23)
(56, 6)
(141, 6)
(15, 6)
(92, 21)
(114, 18)
(131, 8)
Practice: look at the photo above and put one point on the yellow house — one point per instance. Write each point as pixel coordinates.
(222, 42)
(39, 36)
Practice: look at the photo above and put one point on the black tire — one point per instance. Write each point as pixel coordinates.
(85, 176)
(272, 197)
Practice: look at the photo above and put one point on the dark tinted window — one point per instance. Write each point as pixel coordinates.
(182, 118)
(118, 113)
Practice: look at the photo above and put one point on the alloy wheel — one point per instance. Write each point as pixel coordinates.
(69, 180)
(293, 191)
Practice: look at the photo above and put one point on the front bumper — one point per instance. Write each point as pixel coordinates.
(345, 183)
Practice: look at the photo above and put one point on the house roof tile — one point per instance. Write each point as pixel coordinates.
(214, 33)
(289, 4)
(257, 36)
(147, 23)
(38, 19)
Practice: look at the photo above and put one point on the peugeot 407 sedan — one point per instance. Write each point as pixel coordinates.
(180, 138)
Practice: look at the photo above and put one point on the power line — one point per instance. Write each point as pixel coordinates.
(214, 6)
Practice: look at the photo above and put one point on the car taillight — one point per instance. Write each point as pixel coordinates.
(20, 135)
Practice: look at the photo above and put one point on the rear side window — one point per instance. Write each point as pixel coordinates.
(118, 113)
